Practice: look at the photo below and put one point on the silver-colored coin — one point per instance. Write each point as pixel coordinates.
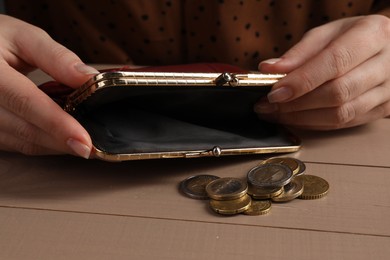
(270, 175)
(195, 186)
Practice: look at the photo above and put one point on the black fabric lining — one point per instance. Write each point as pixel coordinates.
(123, 120)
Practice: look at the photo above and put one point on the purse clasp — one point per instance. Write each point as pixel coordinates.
(215, 151)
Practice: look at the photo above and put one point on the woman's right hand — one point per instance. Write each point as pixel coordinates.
(30, 122)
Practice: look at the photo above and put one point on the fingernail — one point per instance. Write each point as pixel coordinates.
(279, 95)
(79, 148)
(271, 61)
(265, 108)
(85, 69)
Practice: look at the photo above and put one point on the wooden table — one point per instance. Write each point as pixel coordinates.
(62, 207)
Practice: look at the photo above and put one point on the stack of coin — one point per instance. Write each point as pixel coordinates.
(274, 179)
(277, 179)
(282, 179)
(228, 195)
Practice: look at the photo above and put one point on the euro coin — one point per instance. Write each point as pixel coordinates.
(263, 193)
(302, 168)
(290, 191)
(195, 186)
(258, 207)
(226, 189)
(231, 207)
(269, 175)
(314, 187)
(290, 162)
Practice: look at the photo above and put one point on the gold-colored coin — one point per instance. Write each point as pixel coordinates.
(290, 191)
(258, 207)
(290, 162)
(269, 175)
(263, 193)
(314, 187)
(195, 186)
(230, 207)
(226, 189)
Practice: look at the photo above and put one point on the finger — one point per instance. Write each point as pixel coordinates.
(335, 92)
(35, 47)
(25, 131)
(340, 56)
(365, 107)
(378, 112)
(21, 97)
(310, 45)
(11, 144)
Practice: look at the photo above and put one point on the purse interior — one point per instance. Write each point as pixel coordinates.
(135, 119)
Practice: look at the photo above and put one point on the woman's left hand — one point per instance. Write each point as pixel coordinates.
(338, 76)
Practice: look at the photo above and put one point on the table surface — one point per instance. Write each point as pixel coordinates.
(62, 207)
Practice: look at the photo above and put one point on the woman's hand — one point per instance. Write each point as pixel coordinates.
(30, 122)
(338, 76)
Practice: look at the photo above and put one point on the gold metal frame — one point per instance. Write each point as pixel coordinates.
(173, 79)
(181, 80)
(193, 154)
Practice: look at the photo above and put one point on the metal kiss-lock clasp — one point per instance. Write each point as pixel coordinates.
(215, 151)
(228, 78)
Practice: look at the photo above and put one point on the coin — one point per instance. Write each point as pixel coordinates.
(314, 187)
(230, 207)
(258, 207)
(270, 175)
(259, 193)
(276, 179)
(226, 189)
(290, 191)
(195, 186)
(290, 162)
(302, 168)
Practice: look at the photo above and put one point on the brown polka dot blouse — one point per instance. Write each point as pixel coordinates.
(156, 32)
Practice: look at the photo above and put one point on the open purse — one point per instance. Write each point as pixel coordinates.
(184, 111)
